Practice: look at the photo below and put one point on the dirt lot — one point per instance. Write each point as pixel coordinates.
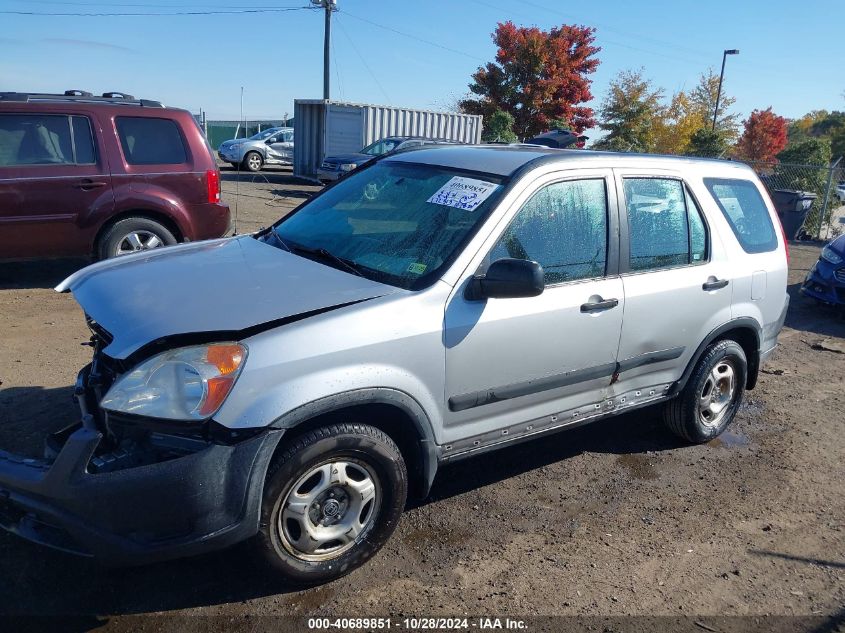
(613, 519)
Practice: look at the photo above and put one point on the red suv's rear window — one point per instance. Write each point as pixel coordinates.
(150, 141)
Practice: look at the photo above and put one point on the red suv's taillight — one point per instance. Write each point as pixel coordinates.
(212, 181)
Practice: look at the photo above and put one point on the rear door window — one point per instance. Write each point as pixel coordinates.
(746, 213)
(45, 139)
(151, 141)
(665, 226)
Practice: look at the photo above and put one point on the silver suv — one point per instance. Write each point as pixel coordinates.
(273, 146)
(294, 386)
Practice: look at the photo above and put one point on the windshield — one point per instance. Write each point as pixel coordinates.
(381, 147)
(394, 222)
(263, 134)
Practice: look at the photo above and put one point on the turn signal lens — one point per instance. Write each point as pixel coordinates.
(227, 358)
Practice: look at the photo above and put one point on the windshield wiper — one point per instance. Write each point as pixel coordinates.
(326, 254)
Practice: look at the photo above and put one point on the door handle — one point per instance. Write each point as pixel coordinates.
(87, 184)
(593, 306)
(714, 284)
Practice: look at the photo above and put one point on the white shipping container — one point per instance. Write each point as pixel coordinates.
(324, 128)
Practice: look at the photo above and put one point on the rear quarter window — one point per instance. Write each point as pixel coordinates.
(746, 212)
(150, 141)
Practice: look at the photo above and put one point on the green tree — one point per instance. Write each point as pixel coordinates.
(813, 151)
(703, 98)
(499, 127)
(630, 113)
(707, 143)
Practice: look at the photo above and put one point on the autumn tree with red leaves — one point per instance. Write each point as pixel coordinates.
(764, 136)
(538, 77)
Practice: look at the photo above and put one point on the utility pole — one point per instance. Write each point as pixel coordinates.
(731, 51)
(329, 6)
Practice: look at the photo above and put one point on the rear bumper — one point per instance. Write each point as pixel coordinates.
(184, 506)
(209, 221)
(770, 333)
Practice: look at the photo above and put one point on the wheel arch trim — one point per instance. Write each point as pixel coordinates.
(742, 323)
(428, 450)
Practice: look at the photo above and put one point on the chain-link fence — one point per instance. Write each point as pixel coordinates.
(815, 183)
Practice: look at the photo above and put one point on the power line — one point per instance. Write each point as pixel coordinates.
(414, 37)
(140, 14)
(363, 61)
(619, 31)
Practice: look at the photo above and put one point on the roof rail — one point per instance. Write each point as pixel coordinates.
(80, 96)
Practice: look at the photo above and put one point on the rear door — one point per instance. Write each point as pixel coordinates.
(677, 281)
(53, 175)
(518, 366)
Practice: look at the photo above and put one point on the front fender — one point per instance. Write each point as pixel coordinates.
(428, 453)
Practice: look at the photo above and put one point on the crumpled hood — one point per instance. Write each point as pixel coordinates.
(344, 159)
(225, 285)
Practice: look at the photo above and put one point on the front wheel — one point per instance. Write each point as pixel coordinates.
(331, 500)
(712, 395)
(253, 161)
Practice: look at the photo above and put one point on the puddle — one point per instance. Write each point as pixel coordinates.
(729, 439)
(638, 466)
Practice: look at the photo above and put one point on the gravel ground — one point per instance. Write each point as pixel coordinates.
(613, 519)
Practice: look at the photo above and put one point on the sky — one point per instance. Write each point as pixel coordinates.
(411, 53)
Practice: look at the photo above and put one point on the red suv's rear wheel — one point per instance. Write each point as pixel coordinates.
(132, 235)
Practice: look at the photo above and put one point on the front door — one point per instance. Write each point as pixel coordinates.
(51, 176)
(517, 366)
(280, 147)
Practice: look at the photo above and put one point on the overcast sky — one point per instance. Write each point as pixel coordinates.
(410, 53)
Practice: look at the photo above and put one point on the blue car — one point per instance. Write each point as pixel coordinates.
(826, 280)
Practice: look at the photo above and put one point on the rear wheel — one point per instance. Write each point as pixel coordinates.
(712, 395)
(253, 161)
(133, 235)
(331, 500)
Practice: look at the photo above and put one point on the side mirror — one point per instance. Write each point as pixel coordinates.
(507, 279)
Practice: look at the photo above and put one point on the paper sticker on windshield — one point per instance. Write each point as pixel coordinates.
(417, 269)
(463, 193)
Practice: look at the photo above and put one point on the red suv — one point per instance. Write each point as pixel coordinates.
(102, 176)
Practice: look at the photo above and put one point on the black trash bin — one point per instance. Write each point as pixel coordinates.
(792, 207)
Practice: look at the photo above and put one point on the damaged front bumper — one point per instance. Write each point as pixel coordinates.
(125, 509)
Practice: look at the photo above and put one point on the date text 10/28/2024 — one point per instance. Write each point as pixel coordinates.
(417, 624)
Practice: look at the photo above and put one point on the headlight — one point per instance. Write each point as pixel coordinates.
(189, 383)
(348, 166)
(829, 255)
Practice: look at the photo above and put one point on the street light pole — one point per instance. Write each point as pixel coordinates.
(329, 6)
(730, 51)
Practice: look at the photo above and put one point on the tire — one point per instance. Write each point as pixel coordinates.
(131, 235)
(712, 395)
(253, 161)
(304, 477)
